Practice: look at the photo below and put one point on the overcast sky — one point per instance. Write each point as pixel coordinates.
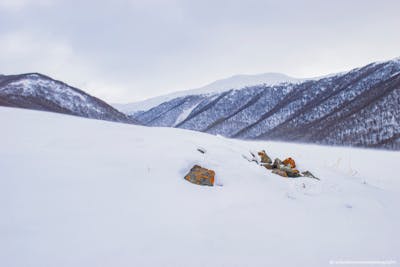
(128, 50)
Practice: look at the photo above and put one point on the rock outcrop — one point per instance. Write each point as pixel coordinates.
(200, 176)
(290, 162)
(309, 174)
(280, 172)
(264, 157)
(286, 168)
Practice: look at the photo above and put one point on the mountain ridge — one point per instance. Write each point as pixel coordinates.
(40, 92)
(355, 108)
(360, 107)
(238, 81)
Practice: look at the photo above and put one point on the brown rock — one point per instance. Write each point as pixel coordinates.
(264, 157)
(280, 172)
(267, 166)
(290, 162)
(293, 173)
(200, 176)
(309, 174)
(290, 172)
(201, 150)
(277, 164)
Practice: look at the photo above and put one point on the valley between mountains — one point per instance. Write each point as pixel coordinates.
(359, 108)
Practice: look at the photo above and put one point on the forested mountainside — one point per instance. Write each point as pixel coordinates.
(356, 108)
(233, 82)
(39, 92)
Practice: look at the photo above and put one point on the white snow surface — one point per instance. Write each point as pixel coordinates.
(219, 86)
(80, 192)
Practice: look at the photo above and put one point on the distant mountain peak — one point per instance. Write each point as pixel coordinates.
(356, 108)
(238, 81)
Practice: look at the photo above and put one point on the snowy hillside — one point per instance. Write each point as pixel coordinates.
(79, 192)
(356, 108)
(219, 86)
(37, 91)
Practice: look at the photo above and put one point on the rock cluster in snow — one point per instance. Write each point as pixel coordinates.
(285, 168)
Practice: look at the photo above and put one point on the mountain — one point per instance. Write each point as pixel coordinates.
(219, 86)
(94, 193)
(39, 92)
(360, 107)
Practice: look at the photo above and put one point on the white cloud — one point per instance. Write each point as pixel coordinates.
(15, 5)
(22, 52)
(26, 52)
(127, 50)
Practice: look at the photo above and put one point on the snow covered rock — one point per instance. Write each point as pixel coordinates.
(201, 176)
(309, 175)
(286, 168)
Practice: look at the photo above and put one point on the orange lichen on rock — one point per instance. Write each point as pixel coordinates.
(290, 162)
(201, 176)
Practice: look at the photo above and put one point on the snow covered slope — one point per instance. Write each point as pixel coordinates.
(360, 107)
(219, 86)
(78, 192)
(37, 91)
